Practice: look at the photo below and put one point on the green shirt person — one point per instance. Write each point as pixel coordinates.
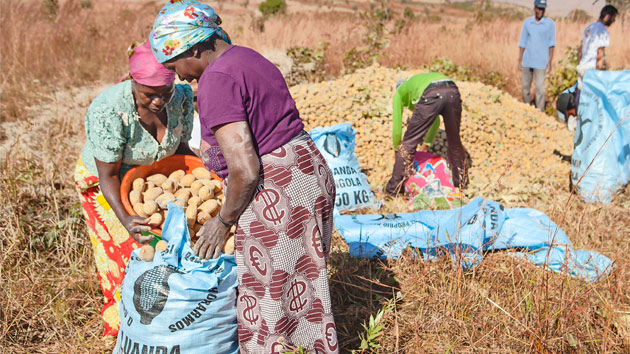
(429, 95)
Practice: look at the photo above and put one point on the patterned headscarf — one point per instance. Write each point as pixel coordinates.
(180, 25)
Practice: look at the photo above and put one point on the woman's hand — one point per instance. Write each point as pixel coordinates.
(109, 181)
(237, 146)
(211, 239)
(136, 225)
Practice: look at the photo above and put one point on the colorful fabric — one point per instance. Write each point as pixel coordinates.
(407, 95)
(111, 243)
(242, 85)
(282, 243)
(180, 25)
(114, 131)
(145, 70)
(431, 187)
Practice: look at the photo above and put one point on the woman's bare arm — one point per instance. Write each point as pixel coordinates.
(237, 146)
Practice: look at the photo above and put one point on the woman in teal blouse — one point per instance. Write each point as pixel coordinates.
(135, 122)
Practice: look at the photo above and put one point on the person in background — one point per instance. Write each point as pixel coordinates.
(595, 39)
(427, 95)
(279, 190)
(538, 40)
(566, 106)
(135, 122)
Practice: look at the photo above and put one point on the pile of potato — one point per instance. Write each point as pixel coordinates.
(201, 195)
(510, 144)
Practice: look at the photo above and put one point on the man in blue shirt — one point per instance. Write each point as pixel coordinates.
(538, 39)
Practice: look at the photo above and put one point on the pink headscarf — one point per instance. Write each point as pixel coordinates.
(144, 68)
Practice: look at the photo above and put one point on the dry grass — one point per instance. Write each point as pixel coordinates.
(508, 306)
(48, 47)
(80, 44)
(49, 296)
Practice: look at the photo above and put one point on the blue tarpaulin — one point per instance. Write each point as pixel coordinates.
(600, 164)
(466, 233)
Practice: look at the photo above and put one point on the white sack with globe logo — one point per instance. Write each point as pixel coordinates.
(178, 303)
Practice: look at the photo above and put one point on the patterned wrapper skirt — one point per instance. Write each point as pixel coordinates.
(110, 240)
(282, 244)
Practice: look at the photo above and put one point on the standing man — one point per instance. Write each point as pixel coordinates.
(538, 39)
(428, 95)
(595, 39)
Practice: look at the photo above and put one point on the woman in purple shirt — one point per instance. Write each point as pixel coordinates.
(279, 190)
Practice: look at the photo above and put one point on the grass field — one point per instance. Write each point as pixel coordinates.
(56, 57)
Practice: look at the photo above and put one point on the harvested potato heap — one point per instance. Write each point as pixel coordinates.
(201, 195)
(510, 143)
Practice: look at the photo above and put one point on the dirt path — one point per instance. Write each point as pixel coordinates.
(63, 113)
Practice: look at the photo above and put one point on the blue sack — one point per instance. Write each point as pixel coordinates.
(178, 303)
(600, 164)
(336, 143)
(466, 233)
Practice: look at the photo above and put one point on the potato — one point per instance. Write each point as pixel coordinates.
(205, 193)
(194, 187)
(180, 203)
(207, 182)
(163, 199)
(150, 207)
(156, 219)
(138, 184)
(135, 197)
(194, 200)
(149, 185)
(177, 175)
(193, 234)
(217, 186)
(169, 186)
(139, 209)
(201, 173)
(187, 180)
(161, 245)
(191, 214)
(183, 194)
(203, 216)
(228, 247)
(152, 194)
(209, 206)
(197, 227)
(157, 179)
(211, 183)
(164, 214)
(146, 253)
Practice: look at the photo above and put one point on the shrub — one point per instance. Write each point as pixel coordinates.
(562, 78)
(272, 7)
